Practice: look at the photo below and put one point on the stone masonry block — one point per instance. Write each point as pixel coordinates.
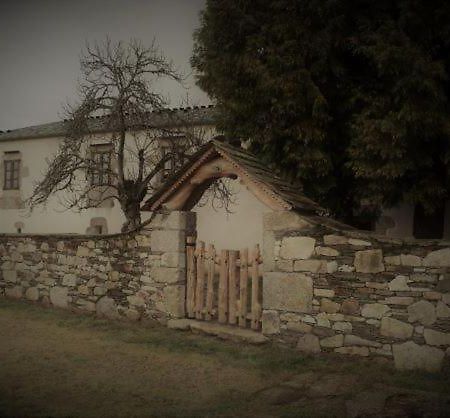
(174, 301)
(168, 241)
(281, 220)
(439, 258)
(423, 312)
(287, 292)
(314, 266)
(335, 240)
(433, 337)
(268, 251)
(369, 261)
(297, 247)
(391, 327)
(32, 293)
(58, 297)
(173, 259)
(82, 251)
(270, 322)
(168, 274)
(10, 276)
(15, 292)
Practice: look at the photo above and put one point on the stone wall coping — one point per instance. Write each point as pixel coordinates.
(352, 232)
(70, 236)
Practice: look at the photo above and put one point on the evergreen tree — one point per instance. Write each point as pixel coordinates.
(349, 98)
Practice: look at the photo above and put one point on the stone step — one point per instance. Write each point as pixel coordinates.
(219, 330)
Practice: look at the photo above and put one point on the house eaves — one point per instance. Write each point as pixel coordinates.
(167, 118)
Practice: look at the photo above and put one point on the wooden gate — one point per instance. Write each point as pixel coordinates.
(225, 286)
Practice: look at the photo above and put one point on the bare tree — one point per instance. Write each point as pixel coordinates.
(111, 150)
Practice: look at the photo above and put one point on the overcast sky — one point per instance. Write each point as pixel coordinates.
(41, 41)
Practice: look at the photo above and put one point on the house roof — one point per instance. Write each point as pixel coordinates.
(198, 115)
(288, 195)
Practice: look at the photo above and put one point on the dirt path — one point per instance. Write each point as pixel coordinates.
(57, 364)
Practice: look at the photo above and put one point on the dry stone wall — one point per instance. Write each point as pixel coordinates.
(328, 289)
(133, 276)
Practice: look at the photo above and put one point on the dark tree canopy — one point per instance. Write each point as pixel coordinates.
(350, 98)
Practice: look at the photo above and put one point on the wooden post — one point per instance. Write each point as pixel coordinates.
(199, 290)
(232, 287)
(191, 279)
(256, 307)
(210, 282)
(243, 287)
(223, 287)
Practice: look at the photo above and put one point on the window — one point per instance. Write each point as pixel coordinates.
(177, 154)
(168, 164)
(100, 172)
(12, 172)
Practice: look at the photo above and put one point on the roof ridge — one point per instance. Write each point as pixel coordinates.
(276, 187)
(201, 113)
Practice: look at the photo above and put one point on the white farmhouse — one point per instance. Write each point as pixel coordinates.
(23, 160)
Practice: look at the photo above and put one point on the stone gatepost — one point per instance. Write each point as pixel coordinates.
(283, 289)
(168, 234)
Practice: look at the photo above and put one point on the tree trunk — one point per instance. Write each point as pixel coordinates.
(132, 213)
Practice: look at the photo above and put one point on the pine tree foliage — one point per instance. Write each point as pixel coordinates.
(349, 98)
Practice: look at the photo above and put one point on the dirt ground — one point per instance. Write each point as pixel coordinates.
(58, 364)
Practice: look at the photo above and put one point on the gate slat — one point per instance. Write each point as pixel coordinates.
(199, 290)
(256, 307)
(211, 256)
(243, 287)
(232, 287)
(191, 279)
(223, 287)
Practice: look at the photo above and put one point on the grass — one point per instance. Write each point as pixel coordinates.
(267, 363)
(268, 358)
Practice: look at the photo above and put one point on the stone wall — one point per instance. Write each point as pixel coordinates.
(326, 288)
(331, 289)
(134, 276)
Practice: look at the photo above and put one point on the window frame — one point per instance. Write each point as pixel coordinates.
(100, 172)
(174, 163)
(11, 174)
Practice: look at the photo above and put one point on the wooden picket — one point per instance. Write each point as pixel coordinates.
(225, 286)
(256, 306)
(200, 285)
(232, 287)
(243, 287)
(211, 259)
(191, 277)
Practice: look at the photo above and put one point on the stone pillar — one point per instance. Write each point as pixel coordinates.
(283, 290)
(168, 238)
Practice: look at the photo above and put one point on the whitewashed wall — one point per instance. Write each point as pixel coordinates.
(241, 228)
(54, 218)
